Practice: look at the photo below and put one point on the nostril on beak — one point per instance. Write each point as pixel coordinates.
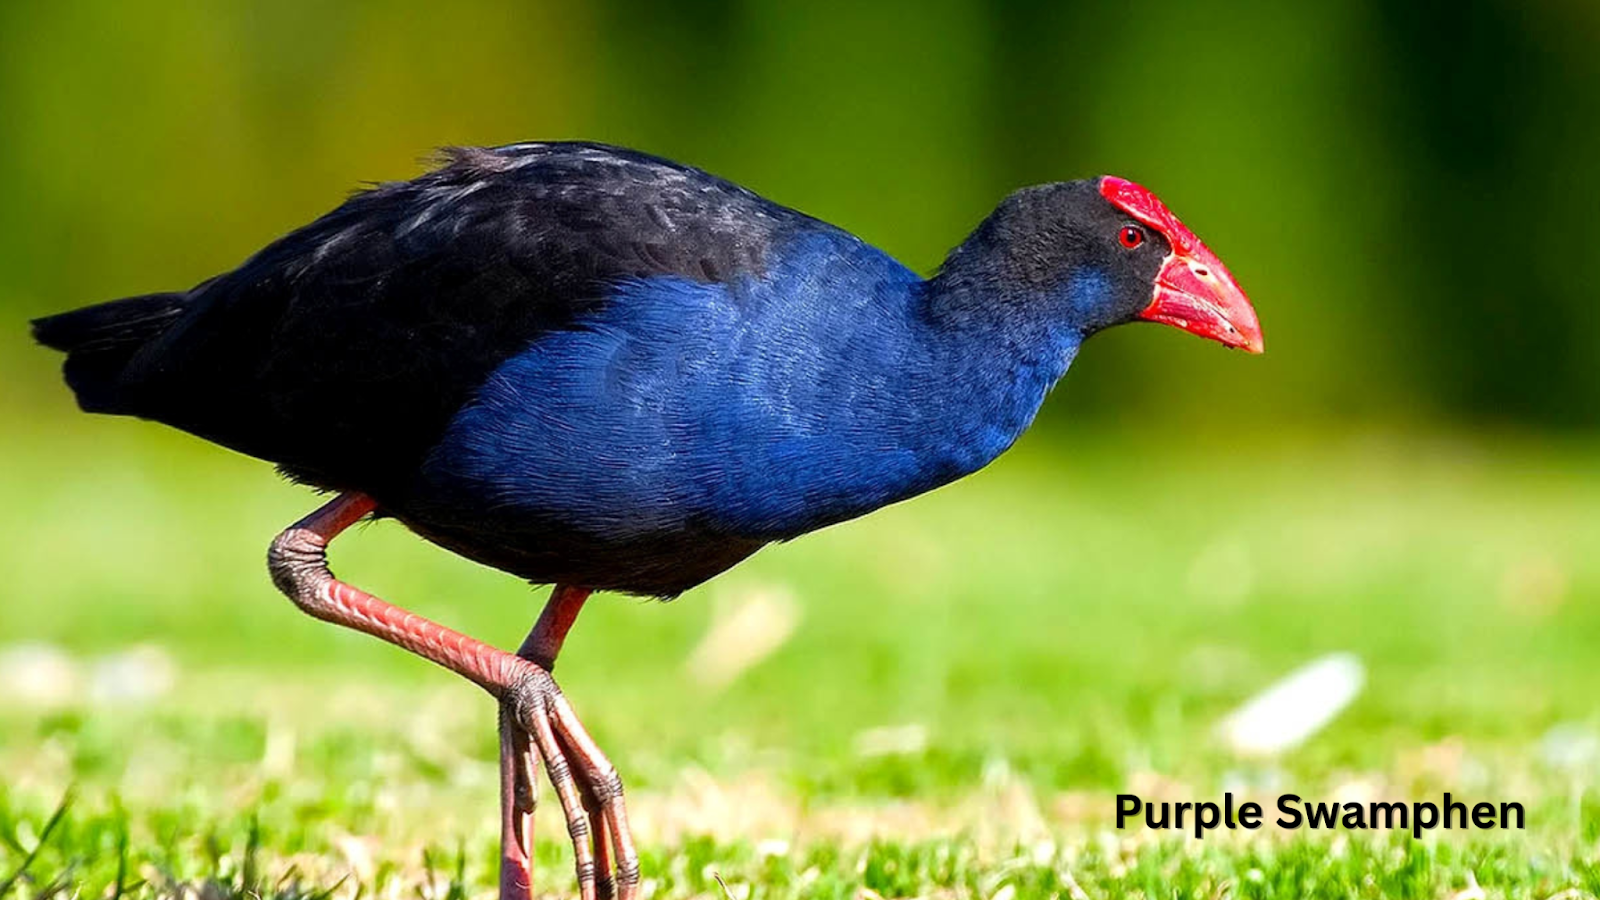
(1201, 272)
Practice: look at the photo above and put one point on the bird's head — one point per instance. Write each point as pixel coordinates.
(1091, 254)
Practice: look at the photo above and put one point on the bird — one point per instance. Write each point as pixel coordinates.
(601, 370)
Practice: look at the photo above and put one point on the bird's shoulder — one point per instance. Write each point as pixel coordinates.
(575, 214)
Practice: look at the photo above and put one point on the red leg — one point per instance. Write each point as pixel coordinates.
(543, 643)
(298, 562)
(518, 791)
(533, 710)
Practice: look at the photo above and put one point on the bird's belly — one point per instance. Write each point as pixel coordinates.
(662, 564)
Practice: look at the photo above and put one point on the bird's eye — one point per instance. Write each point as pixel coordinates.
(1131, 236)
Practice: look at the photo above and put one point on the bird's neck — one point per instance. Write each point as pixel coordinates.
(997, 367)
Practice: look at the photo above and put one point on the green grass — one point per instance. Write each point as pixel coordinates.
(1070, 624)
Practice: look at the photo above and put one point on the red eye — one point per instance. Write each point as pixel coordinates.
(1131, 236)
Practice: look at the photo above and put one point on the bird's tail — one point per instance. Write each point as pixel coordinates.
(100, 340)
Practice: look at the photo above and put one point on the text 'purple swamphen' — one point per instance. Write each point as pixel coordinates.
(601, 370)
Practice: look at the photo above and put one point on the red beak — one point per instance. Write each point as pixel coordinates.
(1194, 290)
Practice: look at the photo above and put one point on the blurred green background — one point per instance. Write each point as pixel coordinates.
(1410, 474)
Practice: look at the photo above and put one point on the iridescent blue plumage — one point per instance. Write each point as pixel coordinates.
(763, 408)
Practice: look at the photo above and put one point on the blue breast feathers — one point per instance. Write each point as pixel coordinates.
(761, 408)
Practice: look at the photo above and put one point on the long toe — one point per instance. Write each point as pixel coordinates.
(585, 783)
(603, 786)
(518, 799)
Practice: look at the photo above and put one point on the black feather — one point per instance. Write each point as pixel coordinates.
(393, 308)
(100, 340)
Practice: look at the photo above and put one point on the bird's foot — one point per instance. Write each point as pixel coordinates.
(537, 722)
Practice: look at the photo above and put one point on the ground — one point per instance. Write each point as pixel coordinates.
(941, 700)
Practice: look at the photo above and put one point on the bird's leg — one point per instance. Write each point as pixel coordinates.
(532, 703)
(518, 790)
(584, 780)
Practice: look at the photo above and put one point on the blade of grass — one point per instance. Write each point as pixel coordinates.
(44, 838)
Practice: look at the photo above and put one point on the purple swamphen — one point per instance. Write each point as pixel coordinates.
(601, 370)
